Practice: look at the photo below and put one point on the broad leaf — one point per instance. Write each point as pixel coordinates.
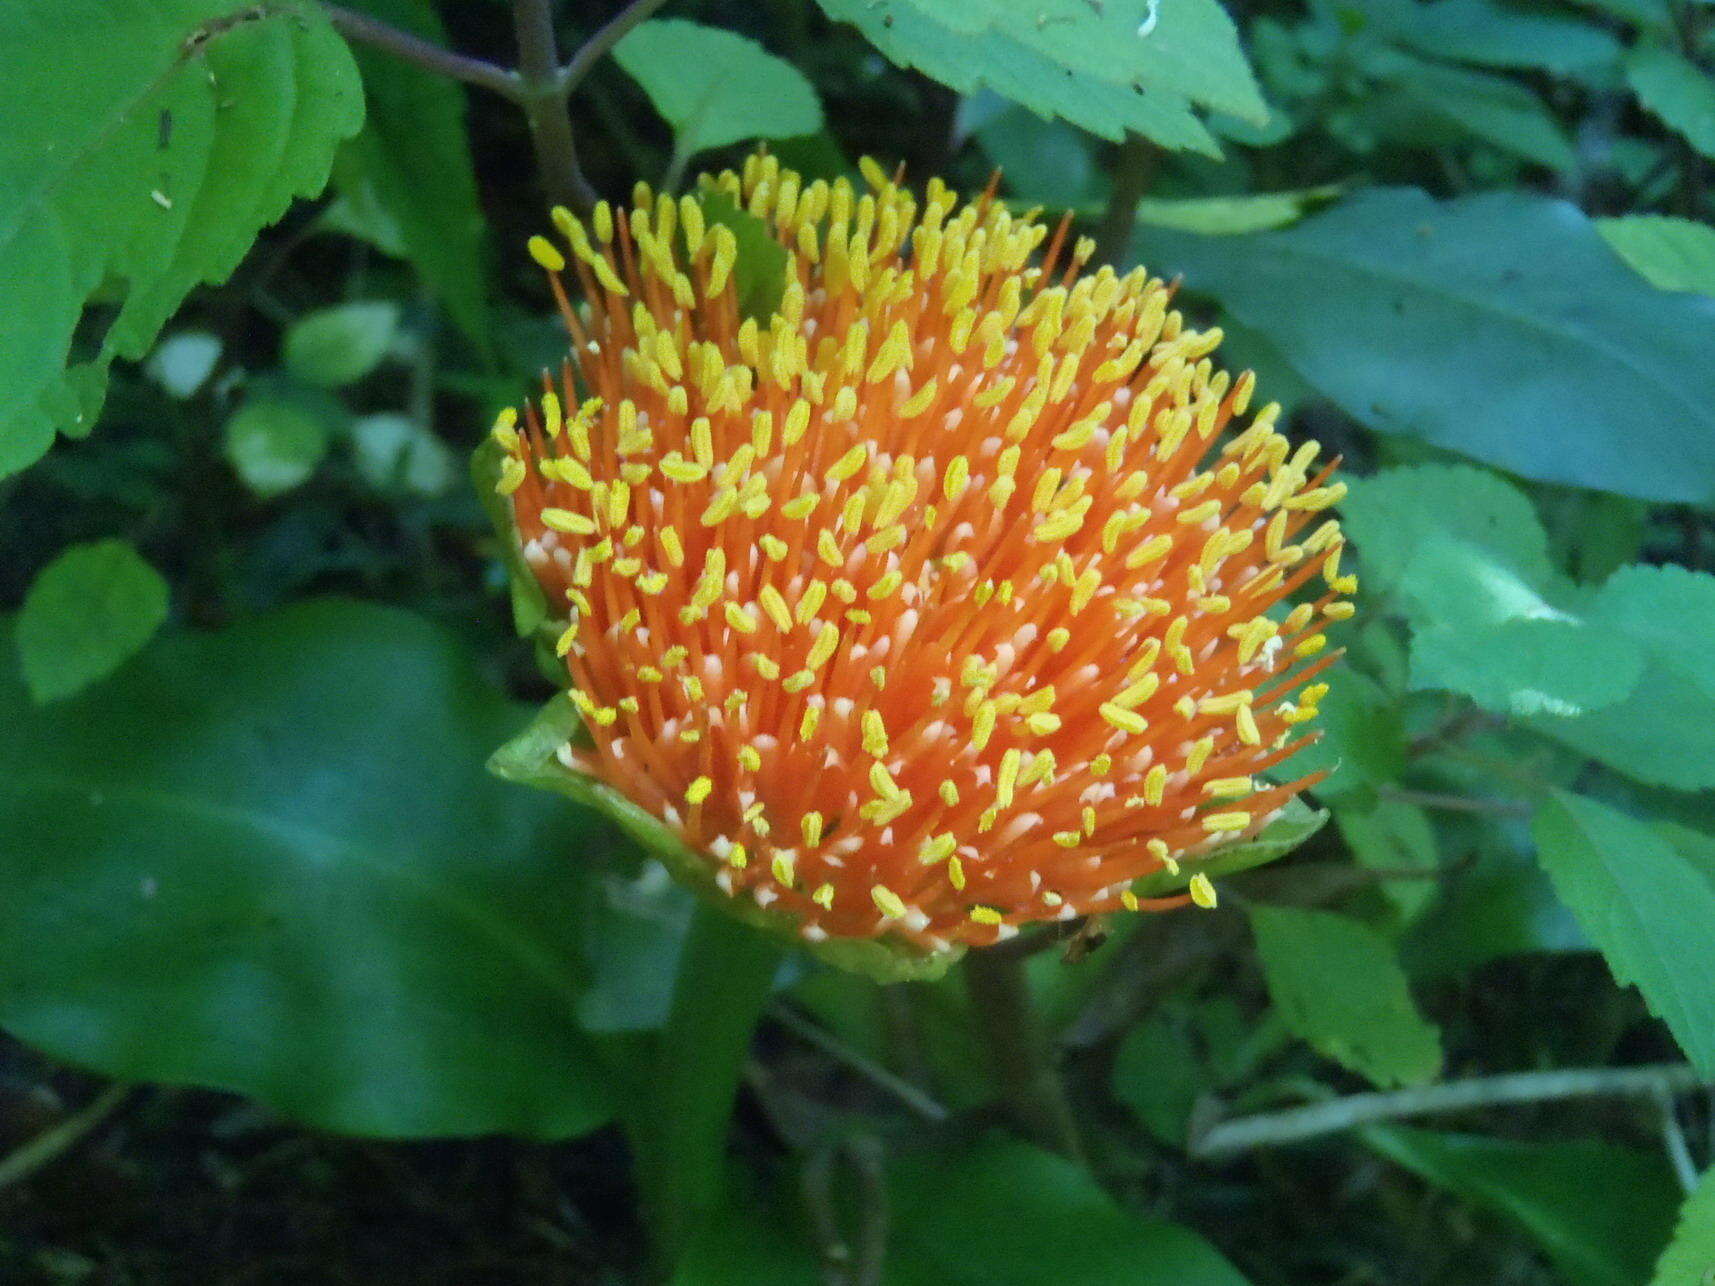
(1492, 33)
(1600, 1212)
(972, 45)
(1339, 986)
(1002, 1211)
(269, 860)
(146, 144)
(274, 444)
(716, 88)
(85, 614)
(1500, 326)
(1671, 254)
(1649, 908)
(414, 155)
(1676, 90)
(342, 344)
(1499, 111)
(1664, 732)
(1228, 215)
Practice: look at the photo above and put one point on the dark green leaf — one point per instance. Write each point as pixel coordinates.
(1492, 33)
(1339, 987)
(1004, 1212)
(1499, 111)
(342, 344)
(269, 860)
(716, 88)
(759, 272)
(146, 144)
(1601, 1212)
(1363, 743)
(1229, 215)
(414, 154)
(1649, 909)
(1500, 326)
(85, 614)
(1676, 90)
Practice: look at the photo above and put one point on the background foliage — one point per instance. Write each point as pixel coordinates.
(263, 290)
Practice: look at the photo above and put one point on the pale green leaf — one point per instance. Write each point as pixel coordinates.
(1229, 215)
(1339, 986)
(342, 344)
(85, 614)
(274, 444)
(1671, 254)
(716, 88)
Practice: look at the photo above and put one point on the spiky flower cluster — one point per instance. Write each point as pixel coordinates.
(929, 603)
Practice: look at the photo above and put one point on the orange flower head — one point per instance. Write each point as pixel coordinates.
(922, 592)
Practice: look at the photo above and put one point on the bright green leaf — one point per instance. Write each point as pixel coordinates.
(1230, 215)
(1295, 825)
(1002, 1211)
(984, 53)
(1498, 325)
(1648, 909)
(146, 144)
(716, 88)
(342, 344)
(1676, 90)
(274, 444)
(1339, 986)
(85, 614)
(1690, 1257)
(1671, 254)
(1601, 1212)
(414, 154)
(269, 860)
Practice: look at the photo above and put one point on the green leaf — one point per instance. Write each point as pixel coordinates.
(1601, 1212)
(1363, 743)
(147, 143)
(1669, 253)
(759, 272)
(395, 453)
(1647, 907)
(532, 758)
(1499, 111)
(274, 444)
(1664, 732)
(1042, 160)
(1158, 1075)
(970, 47)
(85, 614)
(1002, 1211)
(414, 154)
(182, 363)
(342, 344)
(268, 860)
(529, 603)
(714, 87)
(1677, 91)
(1499, 325)
(1488, 33)
(1394, 836)
(1690, 1256)
(1296, 824)
(1339, 986)
(1230, 215)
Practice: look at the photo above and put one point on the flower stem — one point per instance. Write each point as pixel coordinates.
(52, 1144)
(679, 1121)
(1133, 165)
(1019, 1055)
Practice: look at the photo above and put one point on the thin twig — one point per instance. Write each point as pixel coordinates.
(1353, 1110)
(1454, 803)
(54, 1143)
(605, 38)
(544, 103)
(866, 1067)
(414, 49)
(1673, 1137)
